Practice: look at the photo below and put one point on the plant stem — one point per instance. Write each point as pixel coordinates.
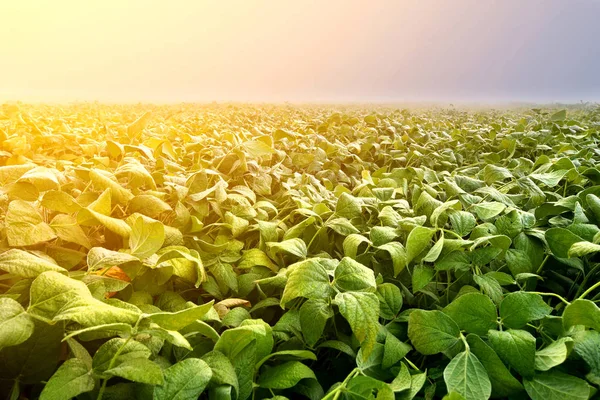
(590, 290)
(542, 264)
(110, 365)
(552, 294)
(336, 393)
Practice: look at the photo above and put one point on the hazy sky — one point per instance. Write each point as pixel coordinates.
(300, 50)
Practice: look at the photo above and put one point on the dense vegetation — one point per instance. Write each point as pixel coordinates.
(236, 252)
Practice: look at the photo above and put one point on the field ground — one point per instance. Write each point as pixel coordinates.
(237, 252)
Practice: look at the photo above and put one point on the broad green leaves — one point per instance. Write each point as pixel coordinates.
(146, 237)
(503, 383)
(582, 312)
(473, 312)
(25, 264)
(308, 279)
(25, 226)
(560, 241)
(390, 300)
(361, 310)
(348, 206)
(73, 378)
(16, 326)
(552, 355)
(285, 375)
(518, 308)
(253, 252)
(418, 240)
(466, 376)
(432, 332)
(55, 297)
(185, 380)
(555, 385)
(353, 276)
(516, 348)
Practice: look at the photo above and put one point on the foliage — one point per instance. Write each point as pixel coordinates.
(236, 252)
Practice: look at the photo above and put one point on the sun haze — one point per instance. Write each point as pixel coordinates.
(310, 50)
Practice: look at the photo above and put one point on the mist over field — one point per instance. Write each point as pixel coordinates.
(304, 51)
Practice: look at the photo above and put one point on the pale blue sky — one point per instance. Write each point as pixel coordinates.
(300, 50)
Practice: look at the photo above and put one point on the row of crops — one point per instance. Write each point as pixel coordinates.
(287, 252)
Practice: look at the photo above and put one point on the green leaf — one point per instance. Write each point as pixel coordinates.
(435, 251)
(307, 278)
(518, 262)
(104, 180)
(489, 286)
(185, 380)
(402, 381)
(361, 310)
(516, 348)
(41, 177)
(289, 354)
(580, 249)
(342, 226)
(16, 326)
(339, 346)
(560, 115)
(348, 206)
(418, 240)
(493, 173)
(138, 370)
(560, 241)
(432, 332)
(223, 372)
(462, 222)
(519, 308)
(257, 148)
(314, 314)
(57, 200)
(582, 312)
(473, 312)
(256, 333)
(25, 226)
(456, 260)
(552, 355)
(488, 209)
(587, 346)
(352, 276)
(435, 215)
(285, 375)
(175, 321)
(55, 297)
(390, 300)
(503, 383)
(73, 378)
(398, 255)
(99, 257)
(24, 264)
(352, 243)
(380, 235)
(254, 257)
(116, 351)
(555, 385)
(421, 277)
(37, 358)
(551, 178)
(295, 247)
(67, 229)
(364, 387)
(146, 237)
(394, 350)
(416, 384)
(467, 376)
